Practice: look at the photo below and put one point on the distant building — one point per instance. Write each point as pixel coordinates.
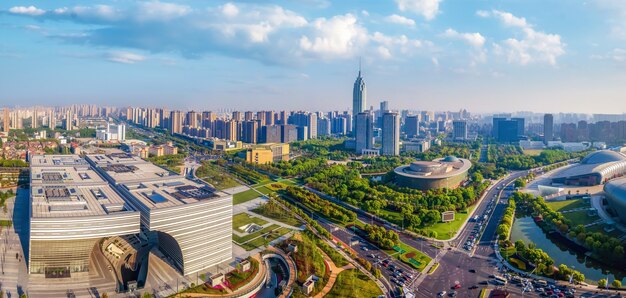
(391, 134)
(289, 133)
(548, 128)
(459, 130)
(508, 130)
(364, 132)
(596, 168)
(418, 146)
(226, 145)
(359, 97)
(176, 122)
(113, 132)
(5, 120)
(412, 126)
(615, 192)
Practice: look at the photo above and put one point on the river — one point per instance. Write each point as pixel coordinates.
(525, 229)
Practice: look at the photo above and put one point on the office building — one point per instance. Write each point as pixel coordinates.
(249, 131)
(391, 134)
(268, 153)
(548, 128)
(271, 134)
(113, 132)
(359, 97)
(323, 126)
(459, 130)
(508, 130)
(412, 126)
(289, 133)
(190, 222)
(364, 132)
(72, 209)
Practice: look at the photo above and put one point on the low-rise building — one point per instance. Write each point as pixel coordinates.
(268, 153)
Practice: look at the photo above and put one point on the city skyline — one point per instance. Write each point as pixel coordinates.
(302, 54)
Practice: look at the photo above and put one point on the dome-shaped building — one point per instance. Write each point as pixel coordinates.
(596, 168)
(446, 172)
(615, 191)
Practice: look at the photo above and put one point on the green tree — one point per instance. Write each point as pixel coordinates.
(602, 283)
(616, 284)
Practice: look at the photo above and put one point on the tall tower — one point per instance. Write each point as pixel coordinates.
(364, 132)
(359, 96)
(5, 119)
(391, 134)
(548, 128)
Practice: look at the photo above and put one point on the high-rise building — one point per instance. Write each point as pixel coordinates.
(289, 133)
(69, 120)
(249, 130)
(232, 130)
(359, 96)
(270, 134)
(237, 116)
(412, 126)
(34, 119)
(248, 116)
(364, 132)
(508, 130)
(548, 128)
(391, 134)
(459, 130)
(52, 121)
(323, 126)
(312, 125)
(176, 122)
(192, 119)
(6, 120)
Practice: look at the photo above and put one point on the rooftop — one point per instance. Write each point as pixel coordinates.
(169, 193)
(436, 169)
(57, 160)
(124, 168)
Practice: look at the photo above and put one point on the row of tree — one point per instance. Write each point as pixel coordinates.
(315, 203)
(381, 236)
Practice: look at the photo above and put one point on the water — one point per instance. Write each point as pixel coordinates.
(525, 229)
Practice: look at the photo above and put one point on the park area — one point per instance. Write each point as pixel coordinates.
(262, 235)
(216, 176)
(566, 205)
(353, 283)
(410, 256)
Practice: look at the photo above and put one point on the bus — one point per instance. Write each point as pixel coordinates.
(499, 280)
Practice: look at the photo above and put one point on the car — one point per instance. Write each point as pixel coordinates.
(457, 286)
(452, 294)
(473, 287)
(442, 293)
(472, 270)
(492, 276)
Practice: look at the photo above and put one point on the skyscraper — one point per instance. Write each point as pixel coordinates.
(176, 122)
(359, 97)
(364, 132)
(412, 126)
(5, 119)
(34, 122)
(459, 130)
(391, 134)
(548, 128)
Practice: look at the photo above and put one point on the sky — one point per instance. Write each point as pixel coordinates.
(479, 55)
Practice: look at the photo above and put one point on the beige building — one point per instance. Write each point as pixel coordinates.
(268, 153)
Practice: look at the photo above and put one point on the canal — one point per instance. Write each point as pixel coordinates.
(525, 229)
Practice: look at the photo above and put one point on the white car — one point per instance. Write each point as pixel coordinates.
(441, 294)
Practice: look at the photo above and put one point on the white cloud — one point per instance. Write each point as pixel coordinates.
(398, 19)
(533, 46)
(482, 13)
(616, 55)
(474, 39)
(426, 8)
(365, 13)
(509, 19)
(338, 36)
(125, 57)
(30, 10)
(230, 10)
(155, 10)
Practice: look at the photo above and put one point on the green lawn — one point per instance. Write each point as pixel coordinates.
(532, 152)
(561, 206)
(353, 283)
(580, 217)
(216, 176)
(448, 229)
(411, 253)
(243, 239)
(273, 211)
(245, 196)
(242, 219)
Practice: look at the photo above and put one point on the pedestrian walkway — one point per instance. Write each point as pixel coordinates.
(334, 271)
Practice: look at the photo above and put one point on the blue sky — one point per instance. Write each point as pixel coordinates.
(485, 56)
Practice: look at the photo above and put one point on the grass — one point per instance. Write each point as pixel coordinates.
(518, 263)
(445, 230)
(353, 283)
(216, 176)
(248, 237)
(335, 256)
(565, 205)
(245, 196)
(532, 152)
(580, 217)
(273, 211)
(5, 223)
(238, 279)
(242, 219)
(411, 253)
(265, 238)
